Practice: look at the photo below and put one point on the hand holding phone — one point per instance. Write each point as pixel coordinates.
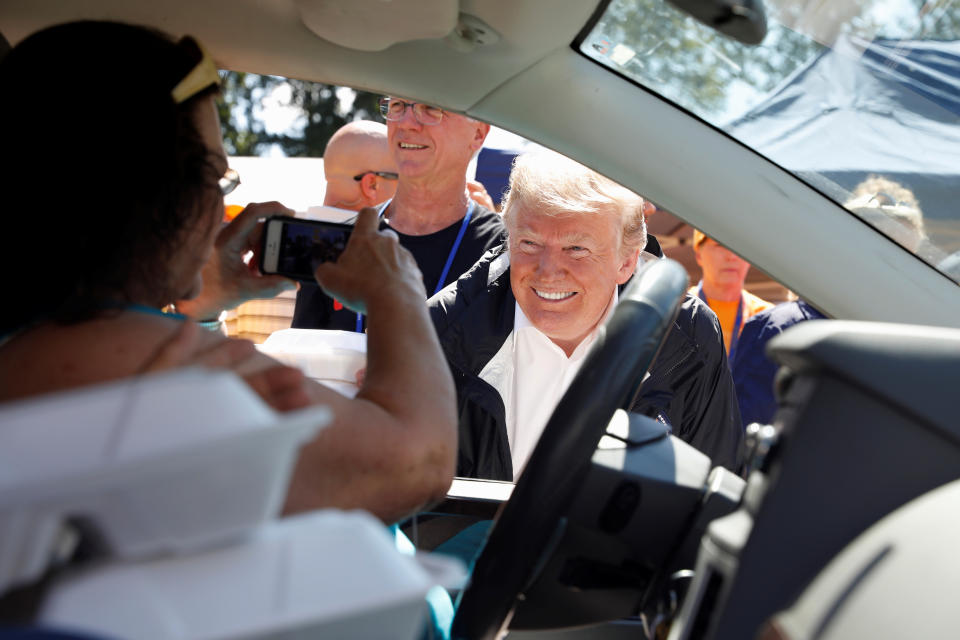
(228, 278)
(373, 270)
(294, 247)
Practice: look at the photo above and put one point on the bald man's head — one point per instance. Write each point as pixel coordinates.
(359, 149)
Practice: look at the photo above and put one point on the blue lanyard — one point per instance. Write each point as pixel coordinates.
(450, 256)
(455, 247)
(738, 319)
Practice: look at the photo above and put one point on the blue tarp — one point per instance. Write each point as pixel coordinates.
(885, 107)
(493, 170)
(496, 159)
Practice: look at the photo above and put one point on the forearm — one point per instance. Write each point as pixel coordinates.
(364, 468)
(392, 449)
(407, 375)
(406, 370)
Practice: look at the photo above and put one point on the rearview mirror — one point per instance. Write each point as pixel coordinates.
(742, 20)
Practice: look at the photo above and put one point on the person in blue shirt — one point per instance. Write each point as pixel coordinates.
(753, 370)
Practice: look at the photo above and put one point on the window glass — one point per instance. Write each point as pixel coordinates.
(860, 98)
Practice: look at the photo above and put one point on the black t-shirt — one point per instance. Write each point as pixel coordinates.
(317, 310)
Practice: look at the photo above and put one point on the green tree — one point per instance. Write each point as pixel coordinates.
(243, 131)
(323, 113)
(323, 108)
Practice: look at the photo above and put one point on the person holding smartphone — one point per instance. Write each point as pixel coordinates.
(144, 230)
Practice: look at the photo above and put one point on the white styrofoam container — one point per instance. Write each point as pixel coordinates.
(326, 574)
(327, 356)
(174, 461)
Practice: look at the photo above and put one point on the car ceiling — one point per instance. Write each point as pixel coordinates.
(532, 82)
(269, 36)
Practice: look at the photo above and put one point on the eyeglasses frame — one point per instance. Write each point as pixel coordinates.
(384, 104)
(387, 175)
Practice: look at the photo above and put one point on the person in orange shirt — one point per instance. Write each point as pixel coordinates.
(724, 273)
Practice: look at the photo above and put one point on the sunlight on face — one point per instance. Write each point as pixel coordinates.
(429, 150)
(343, 192)
(564, 269)
(721, 267)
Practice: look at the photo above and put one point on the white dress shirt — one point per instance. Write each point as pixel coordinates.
(531, 374)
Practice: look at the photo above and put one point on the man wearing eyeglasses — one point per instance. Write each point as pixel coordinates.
(431, 212)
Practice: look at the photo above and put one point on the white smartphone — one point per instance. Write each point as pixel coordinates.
(293, 247)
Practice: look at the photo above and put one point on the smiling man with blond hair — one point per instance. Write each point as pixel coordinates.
(516, 328)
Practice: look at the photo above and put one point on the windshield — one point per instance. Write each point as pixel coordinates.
(859, 98)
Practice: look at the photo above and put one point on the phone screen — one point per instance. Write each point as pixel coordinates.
(294, 248)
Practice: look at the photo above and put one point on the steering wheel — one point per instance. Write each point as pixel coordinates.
(610, 375)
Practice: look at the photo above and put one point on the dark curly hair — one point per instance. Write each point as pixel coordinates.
(103, 173)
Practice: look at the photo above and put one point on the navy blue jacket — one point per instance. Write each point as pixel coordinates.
(753, 371)
(689, 386)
